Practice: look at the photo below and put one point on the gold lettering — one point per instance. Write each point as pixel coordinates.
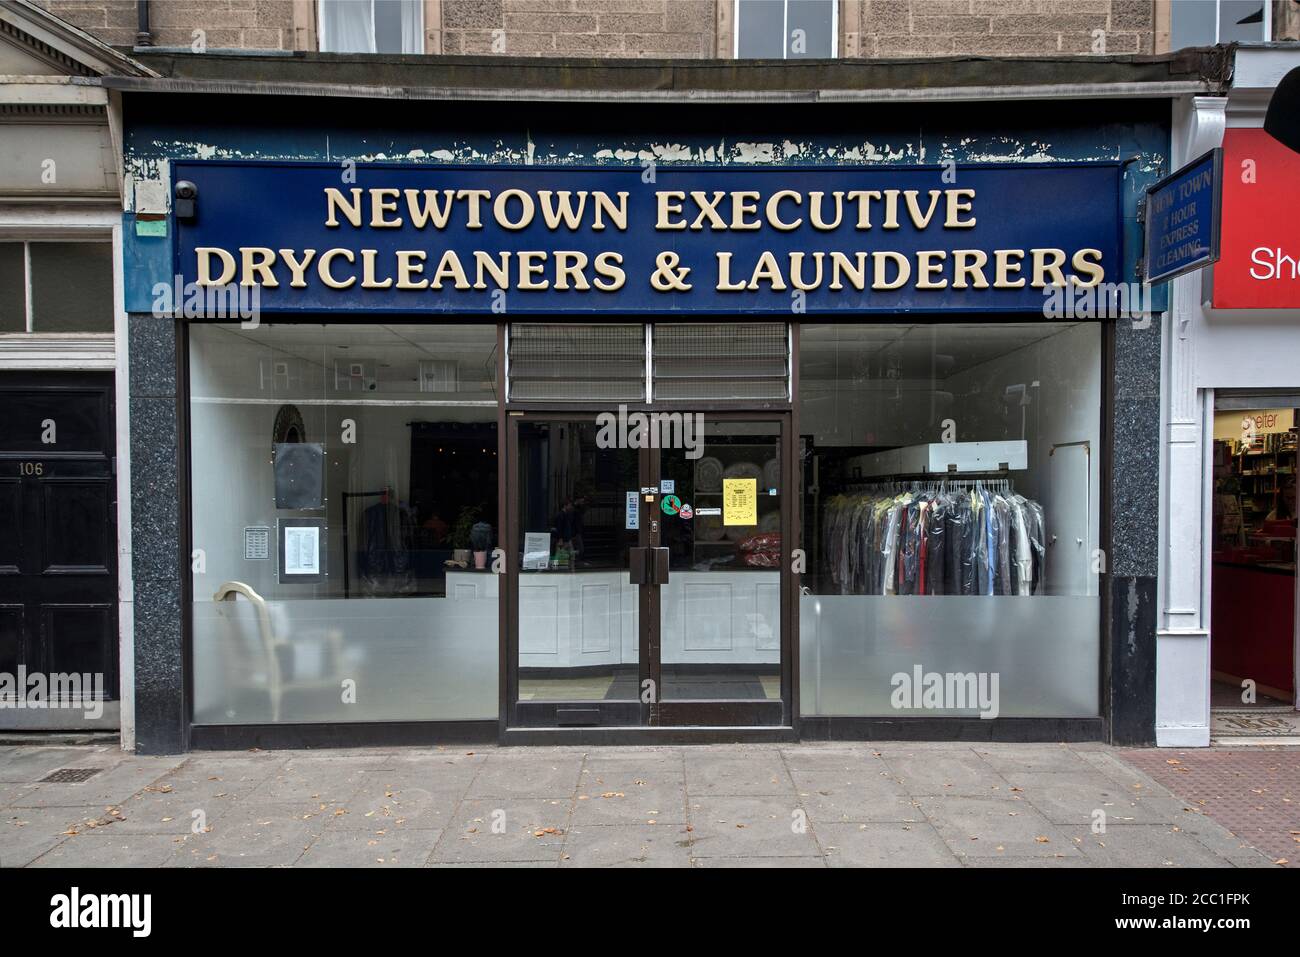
(259, 260)
(669, 203)
(609, 266)
(298, 267)
(955, 207)
(899, 260)
(1004, 268)
(205, 254)
(968, 264)
(334, 203)
(410, 263)
(429, 211)
(326, 275)
(384, 201)
(368, 280)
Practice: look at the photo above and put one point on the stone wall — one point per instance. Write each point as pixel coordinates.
(652, 28)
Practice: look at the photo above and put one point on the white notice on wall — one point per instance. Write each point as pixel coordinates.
(537, 550)
(302, 550)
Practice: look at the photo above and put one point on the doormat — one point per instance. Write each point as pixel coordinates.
(1253, 723)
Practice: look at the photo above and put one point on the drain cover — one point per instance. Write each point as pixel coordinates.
(69, 775)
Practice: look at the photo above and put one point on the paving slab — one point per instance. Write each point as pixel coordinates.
(1080, 797)
(269, 839)
(529, 830)
(1032, 758)
(627, 845)
(885, 845)
(398, 799)
(27, 765)
(959, 772)
(995, 827)
(1143, 845)
(857, 795)
(729, 773)
(729, 826)
(518, 774)
(107, 847)
(395, 847)
(27, 833)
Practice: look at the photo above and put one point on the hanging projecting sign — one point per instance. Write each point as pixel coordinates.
(385, 239)
(1259, 265)
(1182, 220)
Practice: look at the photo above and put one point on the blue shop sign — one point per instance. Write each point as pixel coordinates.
(403, 239)
(1182, 219)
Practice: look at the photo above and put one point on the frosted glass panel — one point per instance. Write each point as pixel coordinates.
(407, 659)
(1044, 651)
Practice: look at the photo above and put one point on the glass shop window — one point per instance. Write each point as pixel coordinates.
(56, 287)
(1200, 23)
(950, 516)
(786, 29)
(344, 513)
(372, 26)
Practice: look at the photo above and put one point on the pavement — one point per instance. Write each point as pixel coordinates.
(805, 805)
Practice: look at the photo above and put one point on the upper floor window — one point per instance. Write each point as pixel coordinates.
(56, 287)
(372, 26)
(1199, 23)
(786, 29)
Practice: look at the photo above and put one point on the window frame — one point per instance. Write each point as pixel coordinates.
(785, 30)
(322, 34)
(1266, 26)
(26, 240)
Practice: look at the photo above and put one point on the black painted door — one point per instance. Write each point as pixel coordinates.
(58, 525)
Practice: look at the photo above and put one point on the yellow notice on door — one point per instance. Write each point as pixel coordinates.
(740, 501)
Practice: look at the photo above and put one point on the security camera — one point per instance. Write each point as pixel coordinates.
(186, 193)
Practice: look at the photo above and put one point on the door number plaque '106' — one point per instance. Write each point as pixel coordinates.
(31, 468)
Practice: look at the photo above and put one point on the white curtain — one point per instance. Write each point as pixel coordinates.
(347, 26)
(412, 26)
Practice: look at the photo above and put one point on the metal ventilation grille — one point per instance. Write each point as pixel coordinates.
(574, 363)
(721, 361)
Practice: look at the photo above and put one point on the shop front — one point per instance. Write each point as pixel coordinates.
(602, 450)
(1230, 639)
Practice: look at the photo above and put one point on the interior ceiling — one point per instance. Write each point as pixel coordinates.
(390, 345)
(828, 352)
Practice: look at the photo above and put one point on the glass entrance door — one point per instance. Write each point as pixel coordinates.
(647, 579)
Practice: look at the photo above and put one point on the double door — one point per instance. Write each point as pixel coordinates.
(648, 570)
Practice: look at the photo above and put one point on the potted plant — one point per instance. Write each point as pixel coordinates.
(480, 540)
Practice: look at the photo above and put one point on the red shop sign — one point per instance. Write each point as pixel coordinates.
(1259, 262)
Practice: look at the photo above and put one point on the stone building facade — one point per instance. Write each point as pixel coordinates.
(655, 28)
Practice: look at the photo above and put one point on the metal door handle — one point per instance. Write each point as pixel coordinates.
(638, 568)
(659, 567)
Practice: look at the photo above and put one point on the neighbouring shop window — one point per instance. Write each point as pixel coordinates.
(1253, 549)
(371, 26)
(950, 517)
(344, 490)
(56, 287)
(785, 29)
